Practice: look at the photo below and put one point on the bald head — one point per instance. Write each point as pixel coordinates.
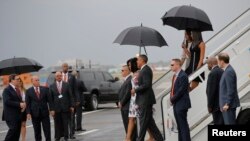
(58, 76)
(74, 73)
(65, 67)
(35, 81)
(212, 60)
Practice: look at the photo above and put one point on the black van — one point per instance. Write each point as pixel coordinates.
(101, 86)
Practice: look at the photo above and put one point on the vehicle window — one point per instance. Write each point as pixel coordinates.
(87, 76)
(107, 76)
(99, 76)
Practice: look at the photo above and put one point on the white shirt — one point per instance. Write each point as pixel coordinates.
(67, 76)
(214, 66)
(59, 85)
(143, 66)
(177, 73)
(225, 67)
(125, 78)
(13, 86)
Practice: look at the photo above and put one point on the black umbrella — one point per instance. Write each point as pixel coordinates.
(187, 17)
(18, 66)
(140, 36)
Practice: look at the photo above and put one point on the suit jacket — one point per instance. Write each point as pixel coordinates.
(125, 93)
(81, 88)
(228, 88)
(61, 104)
(35, 105)
(213, 85)
(181, 99)
(144, 93)
(11, 105)
(73, 85)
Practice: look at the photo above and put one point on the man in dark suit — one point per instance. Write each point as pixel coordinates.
(61, 104)
(228, 96)
(180, 100)
(213, 84)
(71, 80)
(37, 100)
(12, 106)
(145, 99)
(125, 95)
(81, 89)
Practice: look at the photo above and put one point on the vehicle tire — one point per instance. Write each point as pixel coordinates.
(93, 104)
(244, 117)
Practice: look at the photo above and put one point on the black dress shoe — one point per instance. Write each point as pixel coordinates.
(80, 129)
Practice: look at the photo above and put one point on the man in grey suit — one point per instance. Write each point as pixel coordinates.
(180, 100)
(145, 99)
(125, 95)
(213, 84)
(61, 104)
(228, 96)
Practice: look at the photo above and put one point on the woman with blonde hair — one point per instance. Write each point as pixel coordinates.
(23, 114)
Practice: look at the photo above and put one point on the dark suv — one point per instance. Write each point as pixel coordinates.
(101, 86)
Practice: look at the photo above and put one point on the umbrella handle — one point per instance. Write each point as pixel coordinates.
(145, 51)
(140, 50)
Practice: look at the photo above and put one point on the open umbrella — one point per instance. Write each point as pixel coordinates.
(187, 17)
(140, 36)
(19, 66)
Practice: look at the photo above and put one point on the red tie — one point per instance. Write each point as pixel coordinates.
(37, 93)
(173, 82)
(18, 93)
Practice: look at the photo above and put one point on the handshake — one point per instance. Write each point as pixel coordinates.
(23, 106)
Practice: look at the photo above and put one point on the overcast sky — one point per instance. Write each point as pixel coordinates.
(53, 30)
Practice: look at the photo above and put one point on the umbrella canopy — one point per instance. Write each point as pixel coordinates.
(140, 36)
(187, 17)
(19, 66)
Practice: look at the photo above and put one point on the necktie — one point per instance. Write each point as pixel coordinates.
(37, 93)
(18, 93)
(59, 87)
(173, 82)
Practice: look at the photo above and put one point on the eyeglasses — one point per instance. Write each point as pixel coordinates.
(172, 64)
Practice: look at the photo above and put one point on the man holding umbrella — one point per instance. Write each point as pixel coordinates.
(12, 107)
